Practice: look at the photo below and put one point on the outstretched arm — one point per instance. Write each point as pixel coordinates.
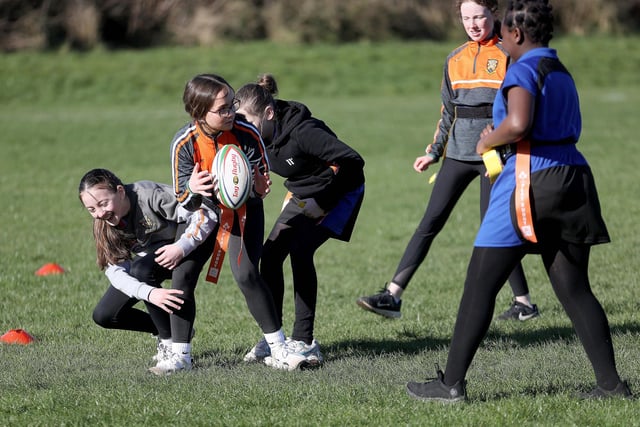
(166, 299)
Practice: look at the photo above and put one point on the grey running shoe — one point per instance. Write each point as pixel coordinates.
(519, 311)
(258, 352)
(621, 391)
(382, 303)
(437, 390)
(310, 351)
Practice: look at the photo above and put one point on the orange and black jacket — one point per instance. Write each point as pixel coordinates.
(192, 145)
(472, 76)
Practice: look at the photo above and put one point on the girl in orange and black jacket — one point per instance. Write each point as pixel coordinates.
(210, 102)
(473, 73)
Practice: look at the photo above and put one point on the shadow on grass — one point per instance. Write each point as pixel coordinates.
(535, 335)
(528, 392)
(373, 347)
(412, 344)
(210, 358)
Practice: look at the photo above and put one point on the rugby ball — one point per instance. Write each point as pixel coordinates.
(234, 176)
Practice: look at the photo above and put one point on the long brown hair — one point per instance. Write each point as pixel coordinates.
(112, 245)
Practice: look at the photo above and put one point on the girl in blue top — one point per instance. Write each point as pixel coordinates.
(537, 107)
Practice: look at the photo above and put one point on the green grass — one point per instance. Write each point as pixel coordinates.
(62, 114)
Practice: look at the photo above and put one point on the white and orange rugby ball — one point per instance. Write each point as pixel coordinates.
(234, 176)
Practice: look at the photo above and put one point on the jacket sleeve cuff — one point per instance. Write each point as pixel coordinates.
(144, 291)
(434, 156)
(187, 244)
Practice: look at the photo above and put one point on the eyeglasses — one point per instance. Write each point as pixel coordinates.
(228, 111)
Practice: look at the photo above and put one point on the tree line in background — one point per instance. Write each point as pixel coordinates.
(86, 24)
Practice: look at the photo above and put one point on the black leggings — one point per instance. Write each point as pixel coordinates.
(453, 179)
(115, 310)
(567, 267)
(185, 277)
(299, 243)
(243, 254)
(246, 272)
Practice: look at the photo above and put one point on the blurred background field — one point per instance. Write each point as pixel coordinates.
(63, 112)
(87, 24)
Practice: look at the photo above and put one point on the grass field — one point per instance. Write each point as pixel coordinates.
(62, 114)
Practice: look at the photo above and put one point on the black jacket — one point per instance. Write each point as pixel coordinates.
(315, 163)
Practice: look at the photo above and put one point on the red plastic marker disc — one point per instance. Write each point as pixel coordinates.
(17, 336)
(50, 268)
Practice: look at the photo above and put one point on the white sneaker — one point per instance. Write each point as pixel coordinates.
(310, 351)
(175, 363)
(283, 357)
(258, 352)
(163, 351)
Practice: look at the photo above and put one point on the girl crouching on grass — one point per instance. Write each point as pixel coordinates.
(135, 228)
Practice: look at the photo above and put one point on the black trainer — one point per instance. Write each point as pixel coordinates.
(519, 311)
(437, 390)
(382, 303)
(622, 391)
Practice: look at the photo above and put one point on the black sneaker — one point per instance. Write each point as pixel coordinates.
(622, 390)
(382, 303)
(437, 390)
(519, 311)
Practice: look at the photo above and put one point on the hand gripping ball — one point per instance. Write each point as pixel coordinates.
(233, 174)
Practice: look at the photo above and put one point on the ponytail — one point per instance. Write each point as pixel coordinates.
(255, 97)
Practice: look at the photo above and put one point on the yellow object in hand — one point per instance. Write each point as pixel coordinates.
(493, 163)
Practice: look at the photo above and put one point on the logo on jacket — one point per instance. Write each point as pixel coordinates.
(492, 65)
(146, 222)
(290, 161)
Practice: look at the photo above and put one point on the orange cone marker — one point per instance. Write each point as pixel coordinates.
(17, 336)
(50, 268)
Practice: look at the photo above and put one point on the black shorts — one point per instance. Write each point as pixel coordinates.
(565, 206)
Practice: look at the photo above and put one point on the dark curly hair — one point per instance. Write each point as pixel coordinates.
(533, 17)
